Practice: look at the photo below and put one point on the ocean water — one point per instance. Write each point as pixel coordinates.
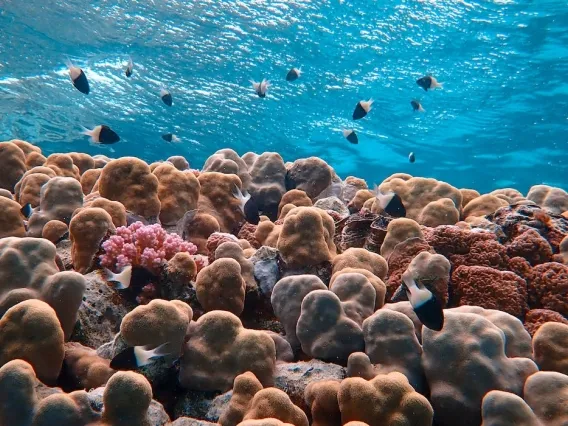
(500, 120)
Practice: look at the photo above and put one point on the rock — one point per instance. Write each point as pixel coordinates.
(100, 314)
(64, 253)
(293, 378)
(156, 412)
(265, 269)
(332, 203)
(188, 421)
(202, 405)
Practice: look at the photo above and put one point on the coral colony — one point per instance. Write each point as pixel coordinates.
(325, 303)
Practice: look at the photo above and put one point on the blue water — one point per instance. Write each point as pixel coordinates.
(501, 119)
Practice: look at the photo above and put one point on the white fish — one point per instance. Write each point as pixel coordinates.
(120, 280)
(260, 88)
(243, 198)
(134, 357)
(424, 303)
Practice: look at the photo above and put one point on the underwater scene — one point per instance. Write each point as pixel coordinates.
(284, 213)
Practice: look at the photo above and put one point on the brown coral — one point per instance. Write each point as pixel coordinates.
(227, 161)
(531, 246)
(399, 230)
(31, 331)
(483, 205)
(13, 165)
(85, 367)
(439, 212)
(550, 347)
(221, 286)
(114, 208)
(267, 185)
(549, 197)
(62, 165)
(216, 199)
(359, 200)
(296, 197)
(89, 179)
(130, 181)
(362, 259)
(83, 161)
(178, 192)
(233, 250)
(87, 230)
(245, 386)
(321, 398)
(311, 175)
(549, 287)
(274, 403)
(386, 400)
(199, 229)
(307, 237)
(220, 348)
(11, 220)
(54, 231)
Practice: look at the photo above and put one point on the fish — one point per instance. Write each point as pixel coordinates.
(411, 157)
(425, 304)
(390, 203)
(261, 88)
(248, 206)
(102, 134)
(417, 106)
(429, 82)
(184, 222)
(166, 97)
(63, 237)
(129, 68)
(78, 78)
(135, 357)
(351, 136)
(170, 137)
(27, 210)
(362, 109)
(293, 74)
(121, 280)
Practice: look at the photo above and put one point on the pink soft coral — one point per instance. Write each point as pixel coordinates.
(149, 246)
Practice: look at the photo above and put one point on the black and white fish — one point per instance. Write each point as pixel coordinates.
(170, 137)
(390, 203)
(121, 280)
(129, 68)
(429, 82)
(417, 106)
(293, 74)
(135, 357)
(184, 222)
(351, 136)
(411, 157)
(166, 97)
(260, 88)
(27, 210)
(78, 78)
(427, 307)
(362, 109)
(248, 206)
(102, 134)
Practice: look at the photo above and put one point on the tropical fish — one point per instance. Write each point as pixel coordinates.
(417, 106)
(27, 210)
(351, 136)
(411, 157)
(293, 74)
(362, 109)
(261, 88)
(390, 203)
(166, 97)
(129, 68)
(170, 137)
(135, 357)
(424, 303)
(120, 280)
(248, 206)
(428, 82)
(102, 134)
(78, 78)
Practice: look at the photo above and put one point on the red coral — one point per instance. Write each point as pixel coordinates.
(521, 267)
(490, 289)
(483, 253)
(531, 246)
(549, 287)
(537, 317)
(247, 233)
(449, 240)
(215, 240)
(400, 258)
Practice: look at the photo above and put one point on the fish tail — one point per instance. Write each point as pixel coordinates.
(121, 280)
(86, 132)
(438, 85)
(145, 356)
(68, 62)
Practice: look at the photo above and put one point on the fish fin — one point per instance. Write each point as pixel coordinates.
(145, 356)
(121, 280)
(420, 109)
(255, 85)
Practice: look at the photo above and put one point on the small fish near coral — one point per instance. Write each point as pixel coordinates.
(129, 68)
(121, 280)
(417, 106)
(390, 203)
(427, 307)
(170, 137)
(102, 134)
(248, 206)
(78, 78)
(166, 97)
(260, 88)
(411, 157)
(135, 357)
